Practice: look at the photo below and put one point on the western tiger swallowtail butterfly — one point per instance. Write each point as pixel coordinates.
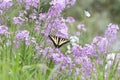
(57, 41)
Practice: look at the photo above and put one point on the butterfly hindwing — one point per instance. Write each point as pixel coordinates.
(58, 42)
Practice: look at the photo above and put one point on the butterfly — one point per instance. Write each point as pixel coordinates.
(58, 41)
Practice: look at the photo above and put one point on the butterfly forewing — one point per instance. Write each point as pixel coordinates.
(54, 40)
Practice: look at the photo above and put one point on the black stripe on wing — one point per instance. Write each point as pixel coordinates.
(53, 38)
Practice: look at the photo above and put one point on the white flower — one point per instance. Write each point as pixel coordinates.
(110, 58)
(74, 39)
(87, 13)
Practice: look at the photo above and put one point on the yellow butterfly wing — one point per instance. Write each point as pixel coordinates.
(63, 41)
(54, 39)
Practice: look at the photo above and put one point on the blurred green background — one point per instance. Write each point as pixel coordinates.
(102, 13)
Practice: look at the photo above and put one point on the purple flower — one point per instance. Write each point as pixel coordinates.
(22, 35)
(78, 33)
(37, 28)
(33, 16)
(42, 16)
(63, 3)
(101, 44)
(29, 3)
(62, 30)
(29, 40)
(18, 20)
(5, 4)
(46, 51)
(33, 3)
(111, 32)
(55, 10)
(3, 30)
(81, 27)
(58, 58)
(16, 44)
(85, 66)
(47, 31)
(88, 50)
(58, 25)
(77, 50)
(70, 2)
(70, 19)
(65, 61)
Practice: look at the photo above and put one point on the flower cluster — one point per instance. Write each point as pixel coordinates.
(3, 30)
(111, 32)
(5, 4)
(55, 21)
(4, 33)
(23, 36)
(29, 3)
(18, 20)
(101, 44)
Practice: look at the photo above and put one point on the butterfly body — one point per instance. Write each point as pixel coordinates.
(57, 41)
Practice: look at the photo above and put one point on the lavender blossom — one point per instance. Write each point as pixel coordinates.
(55, 11)
(60, 2)
(58, 25)
(42, 16)
(33, 16)
(88, 50)
(111, 32)
(18, 20)
(81, 27)
(29, 3)
(101, 44)
(37, 28)
(64, 3)
(77, 33)
(5, 4)
(70, 2)
(58, 58)
(85, 68)
(77, 50)
(70, 19)
(30, 40)
(65, 61)
(22, 35)
(3, 30)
